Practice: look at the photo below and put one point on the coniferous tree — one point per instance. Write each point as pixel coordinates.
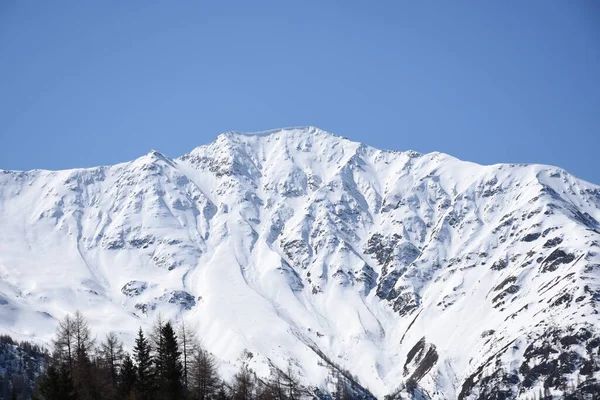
(127, 377)
(145, 373)
(50, 384)
(170, 372)
(77, 373)
(57, 384)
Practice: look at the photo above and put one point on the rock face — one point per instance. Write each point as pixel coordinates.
(458, 280)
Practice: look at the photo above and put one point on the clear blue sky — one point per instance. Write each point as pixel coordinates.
(84, 83)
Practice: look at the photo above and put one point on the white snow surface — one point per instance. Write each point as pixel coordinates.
(270, 243)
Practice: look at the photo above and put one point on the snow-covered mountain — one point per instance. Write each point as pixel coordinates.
(469, 281)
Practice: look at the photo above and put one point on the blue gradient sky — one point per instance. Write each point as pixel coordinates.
(84, 83)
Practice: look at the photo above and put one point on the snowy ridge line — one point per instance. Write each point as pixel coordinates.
(298, 240)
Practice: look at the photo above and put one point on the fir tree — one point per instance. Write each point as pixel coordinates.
(127, 377)
(141, 354)
(170, 373)
(57, 385)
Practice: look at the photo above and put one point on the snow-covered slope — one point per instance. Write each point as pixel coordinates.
(299, 244)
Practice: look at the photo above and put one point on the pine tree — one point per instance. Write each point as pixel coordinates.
(50, 384)
(57, 385)
(127, 377)
(145, 375)
(170, 373)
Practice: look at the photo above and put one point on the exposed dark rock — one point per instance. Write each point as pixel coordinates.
(591, 267)
(144, 307)
(499, 265)
(553, 356)
(180, 297)
(420, 359)
(548, 230)
(381, 247)
(487, 333)
(368, 277)
(134, 288)
(498, 386)
(507, 281)
(582, 335)
(530, 237)
(113, 243)
(142, 243)
(298, 252)
(552, 242)
(403, 302)
(476, 378)
(292, 277)
(588, 389)
(396, 262)
(565, 298)
(549, 361)
(555, 259)
(387, 283)
(512, 289)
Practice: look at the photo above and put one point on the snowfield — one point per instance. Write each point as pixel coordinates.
(296, 244)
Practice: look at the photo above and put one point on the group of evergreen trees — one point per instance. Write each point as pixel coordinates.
(21, 363)
(167, 363)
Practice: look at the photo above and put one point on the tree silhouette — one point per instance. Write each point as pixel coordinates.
(145, 373)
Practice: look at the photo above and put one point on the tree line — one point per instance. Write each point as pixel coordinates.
(166, 363)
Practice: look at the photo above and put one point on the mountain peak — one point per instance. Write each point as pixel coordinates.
(390, 265)
(288, 134)
(298, 130)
